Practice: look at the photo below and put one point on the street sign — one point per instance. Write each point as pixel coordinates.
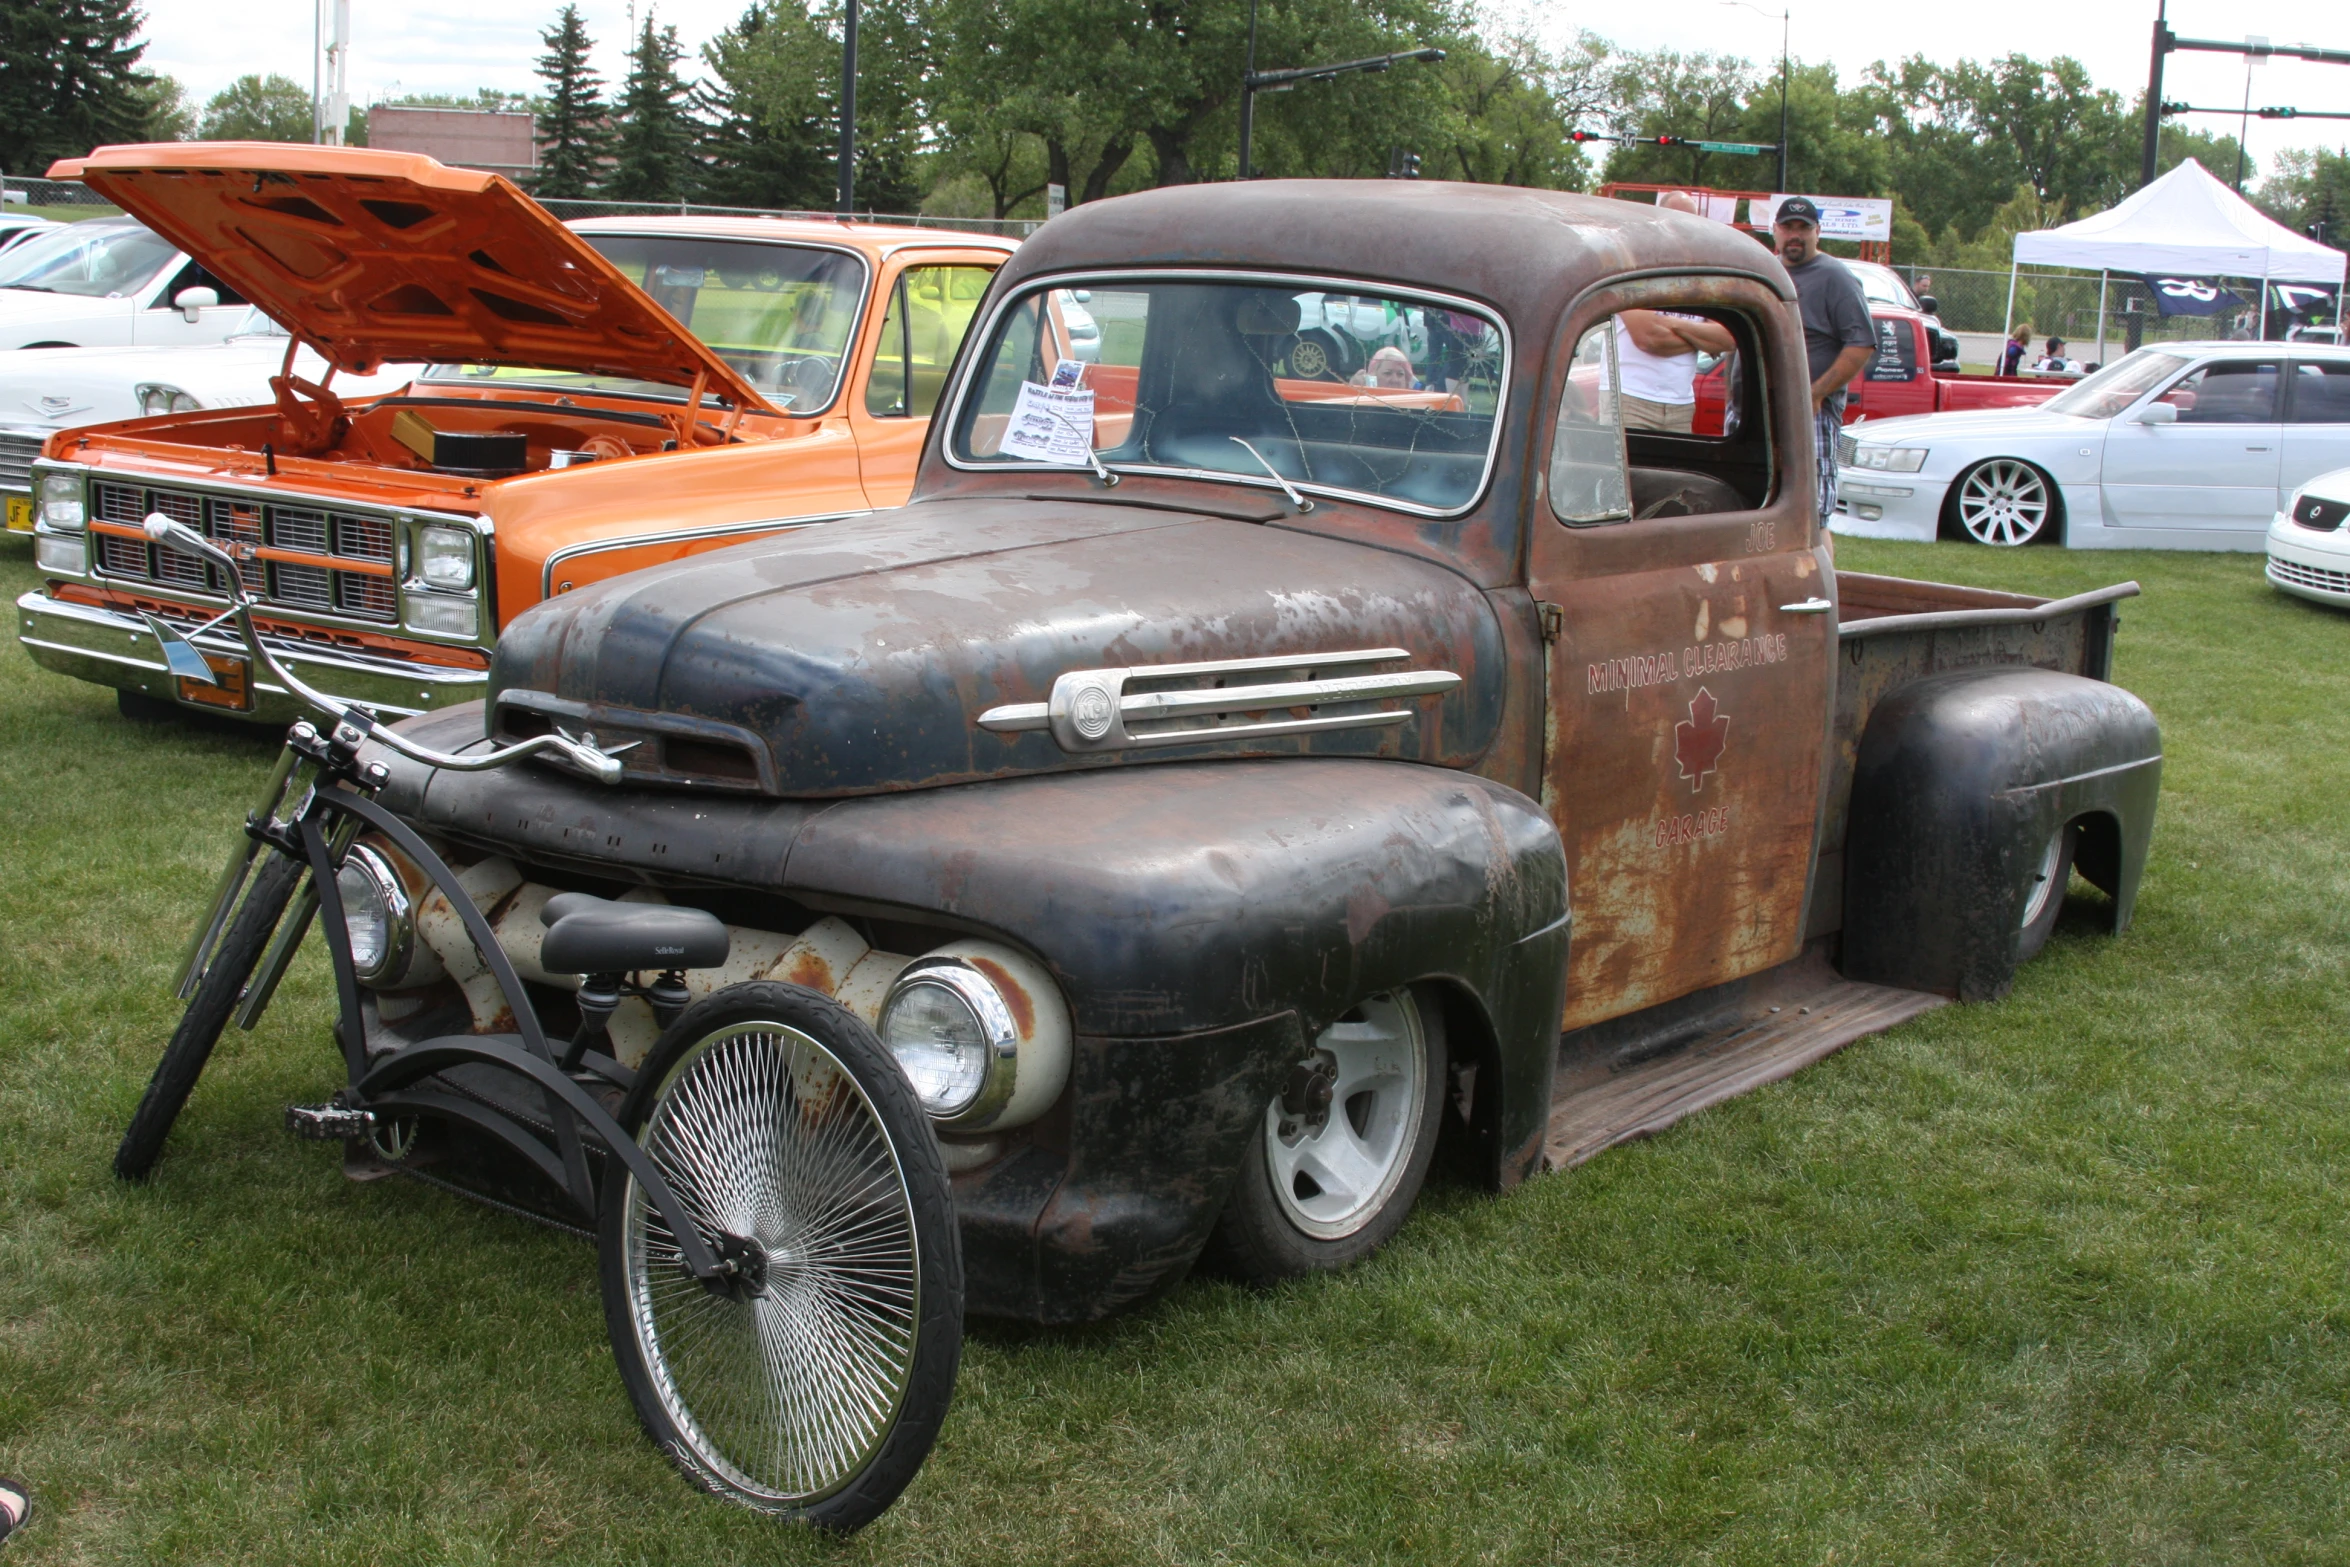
(1744, 149)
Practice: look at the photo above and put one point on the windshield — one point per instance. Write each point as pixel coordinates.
(2115, 387)
(1882, 286)
(96, 259)
(255, 324)
(1369, 394)
(779, 314)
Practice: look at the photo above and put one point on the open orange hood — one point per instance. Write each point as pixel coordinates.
(373, 256)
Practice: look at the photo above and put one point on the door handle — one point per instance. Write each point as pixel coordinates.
(1807, 607)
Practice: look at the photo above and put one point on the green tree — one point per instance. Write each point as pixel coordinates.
(1664, 92)
(2310, 189)
(894, 89)
(652, 150)
(169, 116)
(69, 79)
(1511, 107)
(258, 108)
(573, 136)
(764, 137)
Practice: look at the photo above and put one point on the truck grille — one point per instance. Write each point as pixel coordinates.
(237, 520)
(16, 461)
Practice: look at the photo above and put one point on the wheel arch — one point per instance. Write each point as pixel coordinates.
(1949, 527)
(1959, 781)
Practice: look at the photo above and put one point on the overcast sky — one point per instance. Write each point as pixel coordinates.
(458, 45)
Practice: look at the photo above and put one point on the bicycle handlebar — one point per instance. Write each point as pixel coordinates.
(603, 766)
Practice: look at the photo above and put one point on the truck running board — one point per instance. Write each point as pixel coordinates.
(1633, 1077)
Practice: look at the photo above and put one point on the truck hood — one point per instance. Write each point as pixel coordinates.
(373, 256)
(859, 658)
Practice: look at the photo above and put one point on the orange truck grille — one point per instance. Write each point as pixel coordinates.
(264, 532)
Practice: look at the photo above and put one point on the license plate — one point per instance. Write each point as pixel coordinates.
(235, 691)
(20, 514)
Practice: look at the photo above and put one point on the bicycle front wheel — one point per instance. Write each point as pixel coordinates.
(208, 1013)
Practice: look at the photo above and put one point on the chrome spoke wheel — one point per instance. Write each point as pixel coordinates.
(786, 1382)
(1340, 1138)
(2004, 502)
(2044, 886)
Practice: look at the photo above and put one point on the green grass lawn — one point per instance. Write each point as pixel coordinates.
(2061, 1279)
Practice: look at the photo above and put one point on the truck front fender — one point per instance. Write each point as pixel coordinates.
(1960, 782)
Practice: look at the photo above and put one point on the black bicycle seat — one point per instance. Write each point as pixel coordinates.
(591, 935)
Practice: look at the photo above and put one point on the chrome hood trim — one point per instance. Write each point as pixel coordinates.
(1092, 710)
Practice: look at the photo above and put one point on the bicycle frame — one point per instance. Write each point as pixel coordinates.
(330, 789)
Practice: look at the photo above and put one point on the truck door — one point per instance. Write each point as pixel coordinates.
(926, 309)
(1686, 592)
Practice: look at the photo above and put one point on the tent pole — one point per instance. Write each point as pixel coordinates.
(2262, 334)
(2102, 277)
(2008, 330)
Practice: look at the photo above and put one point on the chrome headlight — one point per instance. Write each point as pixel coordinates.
(1890, 459)
(982, 1033)
(444, 558)
(378, 914)
(159, 397)
(61, 502)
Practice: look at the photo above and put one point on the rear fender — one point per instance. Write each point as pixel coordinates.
(1960, 782)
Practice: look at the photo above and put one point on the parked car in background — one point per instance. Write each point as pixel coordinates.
(2309, 541)
(1881, 285)
(15, 229)
(110, 281)
(44, 391)
(2185, 446)
(601, 398)
(1900, 379)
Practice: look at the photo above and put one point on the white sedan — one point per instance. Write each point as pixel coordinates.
(45, 390)
(107, 281)
(2184, 446)
(2309, 542)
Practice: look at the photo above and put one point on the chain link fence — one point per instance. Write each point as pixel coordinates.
(1016, 228)
(2051, 300)
(51, 198)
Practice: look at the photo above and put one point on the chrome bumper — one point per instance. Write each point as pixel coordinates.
(111, 648)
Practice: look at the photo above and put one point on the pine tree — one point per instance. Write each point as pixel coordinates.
(69, 79)
(573, 135)
(763, 142)
(653, 152)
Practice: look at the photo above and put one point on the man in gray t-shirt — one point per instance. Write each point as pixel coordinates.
(1838, 336)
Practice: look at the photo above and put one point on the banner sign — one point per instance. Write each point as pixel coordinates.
(1841, 217)
(2190, 296)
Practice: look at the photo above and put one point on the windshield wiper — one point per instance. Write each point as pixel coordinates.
(1101, 470)
(30, 288)
(1300, 502)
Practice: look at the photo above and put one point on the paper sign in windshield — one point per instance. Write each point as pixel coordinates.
(1053, 423)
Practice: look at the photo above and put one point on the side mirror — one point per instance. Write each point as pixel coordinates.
(1929, 304)
(2159, 413)
(190, 302)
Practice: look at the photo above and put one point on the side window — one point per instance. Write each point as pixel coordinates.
(2232, 391)
(930, 308)
(1662, 416)
(2321, 392)
(194, 276)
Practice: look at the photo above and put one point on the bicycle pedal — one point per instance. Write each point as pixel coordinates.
(328, 1123)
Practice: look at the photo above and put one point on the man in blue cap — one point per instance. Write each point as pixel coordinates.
(1838, 337)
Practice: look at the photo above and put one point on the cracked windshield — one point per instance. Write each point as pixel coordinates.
(1363, 394)
(780, 314)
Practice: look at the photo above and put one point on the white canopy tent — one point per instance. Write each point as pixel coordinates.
(2186, 223)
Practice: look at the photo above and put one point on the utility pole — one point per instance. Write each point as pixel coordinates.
(1248, 97)
(2256, 50)
(334, 113)
(848, 109)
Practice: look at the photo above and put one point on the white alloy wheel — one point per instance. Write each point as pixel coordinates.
(1339, 1144)
(2004, 502)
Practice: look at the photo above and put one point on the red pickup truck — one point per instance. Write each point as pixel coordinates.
(1898, 380)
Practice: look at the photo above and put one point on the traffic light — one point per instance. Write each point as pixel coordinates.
(1402, 165)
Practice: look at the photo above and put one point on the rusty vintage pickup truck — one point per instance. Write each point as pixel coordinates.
(1227, 792)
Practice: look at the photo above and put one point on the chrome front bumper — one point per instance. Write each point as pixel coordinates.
(111, 648)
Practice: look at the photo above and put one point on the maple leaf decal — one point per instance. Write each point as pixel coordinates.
(1697, 743)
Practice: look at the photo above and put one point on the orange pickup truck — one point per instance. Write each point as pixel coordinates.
(602, 397)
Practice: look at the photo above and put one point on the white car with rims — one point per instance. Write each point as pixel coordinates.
(2182, 446)
(44, 391)
(2309, 542)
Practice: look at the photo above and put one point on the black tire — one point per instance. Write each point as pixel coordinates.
(2044, 895)
(208, 1013)
(1261, 1237)
(772, 1058)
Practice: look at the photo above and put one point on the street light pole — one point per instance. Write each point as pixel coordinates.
(1785, 19)
(1248, 92)
(848, 110)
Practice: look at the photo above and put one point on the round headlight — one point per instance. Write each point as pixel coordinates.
(945, 1029)
(376, 911)
(982, 1033)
